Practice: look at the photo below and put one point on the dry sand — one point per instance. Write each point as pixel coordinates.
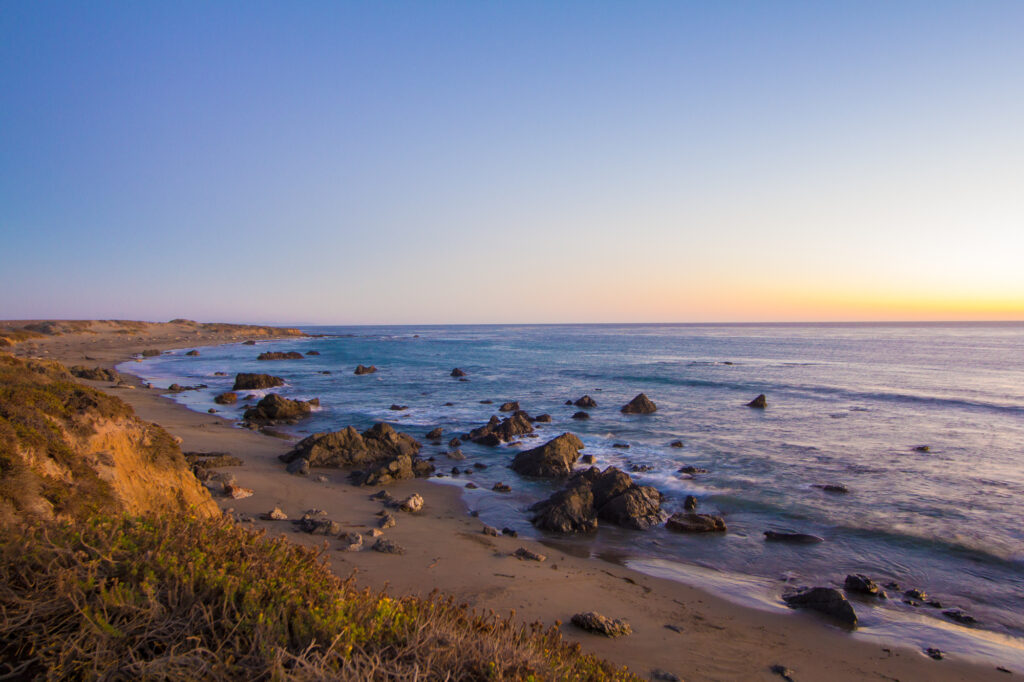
(446, 551)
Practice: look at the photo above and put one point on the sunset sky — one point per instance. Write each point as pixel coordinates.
(512, 162)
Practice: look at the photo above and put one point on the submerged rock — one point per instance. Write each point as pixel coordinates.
(795, 538)
(690, 522)
(581, 415)
(363, 369)
(639, 405)
(435, 434)
(585, 401)
(861, 584)
(825, 600)
(457, 373)
(192, 353)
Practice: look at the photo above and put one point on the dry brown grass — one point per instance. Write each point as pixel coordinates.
(190, 599)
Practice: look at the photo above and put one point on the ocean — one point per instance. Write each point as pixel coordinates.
(847, 404)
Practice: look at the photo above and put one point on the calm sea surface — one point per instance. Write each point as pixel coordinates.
(847, 404)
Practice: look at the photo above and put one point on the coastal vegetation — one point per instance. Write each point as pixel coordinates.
(103, 575)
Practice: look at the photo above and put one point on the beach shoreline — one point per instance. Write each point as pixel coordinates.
(710, 638)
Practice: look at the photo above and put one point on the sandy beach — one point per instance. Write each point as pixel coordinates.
(677, 630)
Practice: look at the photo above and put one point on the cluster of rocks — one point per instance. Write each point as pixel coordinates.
(498, 431)
(377, 456)
(274, 409)
(278, 355)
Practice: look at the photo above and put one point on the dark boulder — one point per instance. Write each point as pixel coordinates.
(349, 448)
(275, 409)
(760, 402)
(278, 355)
(192, 354)
(689, 522)
(454, 443)
(690, 503)
(312, 352)
(150, 353)
(676, 444)
(639, 405)
(581, 415)
(585, 401)
(457, 373)
(363, 369)
(545, 418)
(253, 382)
(834, 488)
(609, 495)
(398, 408)
(511, 406)
(435, 434)
(567, 511)
(553, 459)
(228, 398)
(638, 507)
(825, 600)
(250, 342)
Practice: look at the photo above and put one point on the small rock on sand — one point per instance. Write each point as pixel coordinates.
(387, 520)
(274, 514)
(591, 621)
(387, 547)
(412, 504)
(528, 555)
(353, 542)
(489, 530)
(237, 492)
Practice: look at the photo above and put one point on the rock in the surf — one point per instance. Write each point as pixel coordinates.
(759, 402)
(690, 522)
(228, 398)
(826, 600)
(511, 406)
(794, 538)
(457, 373)
(274, 409)
(363, 369)
(277, 355)
(861, 584)
(639, 405)
(585, 401)
(255, 382)
(553, 459)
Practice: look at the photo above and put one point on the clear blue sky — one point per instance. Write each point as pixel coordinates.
(512, 162)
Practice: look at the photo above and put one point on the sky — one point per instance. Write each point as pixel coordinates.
(489, 162)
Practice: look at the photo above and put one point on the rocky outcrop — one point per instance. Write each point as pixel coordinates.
(379, 455)
(585, 401)
(273, 409)
(95, 373)
(690, 522)
(255, 382)
(554, 459)
(609, 495)
(639, 405)
(825, 600)
(498, 431)
(457, 373)
(760, 402)
(511, 406)
(277, 355)
(229, 398)
(363, 369)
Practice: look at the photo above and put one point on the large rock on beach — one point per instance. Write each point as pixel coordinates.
(639, 405)
(274, 409)
(825, 600)
(349, 448)
(609, 495)
(554, 459)
(255, 382)
(278, 355)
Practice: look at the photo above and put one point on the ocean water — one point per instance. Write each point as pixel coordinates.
(847, 404)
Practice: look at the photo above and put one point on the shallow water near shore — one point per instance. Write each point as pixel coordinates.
(847, 404)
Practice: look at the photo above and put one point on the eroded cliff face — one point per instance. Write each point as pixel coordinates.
(69, 451)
